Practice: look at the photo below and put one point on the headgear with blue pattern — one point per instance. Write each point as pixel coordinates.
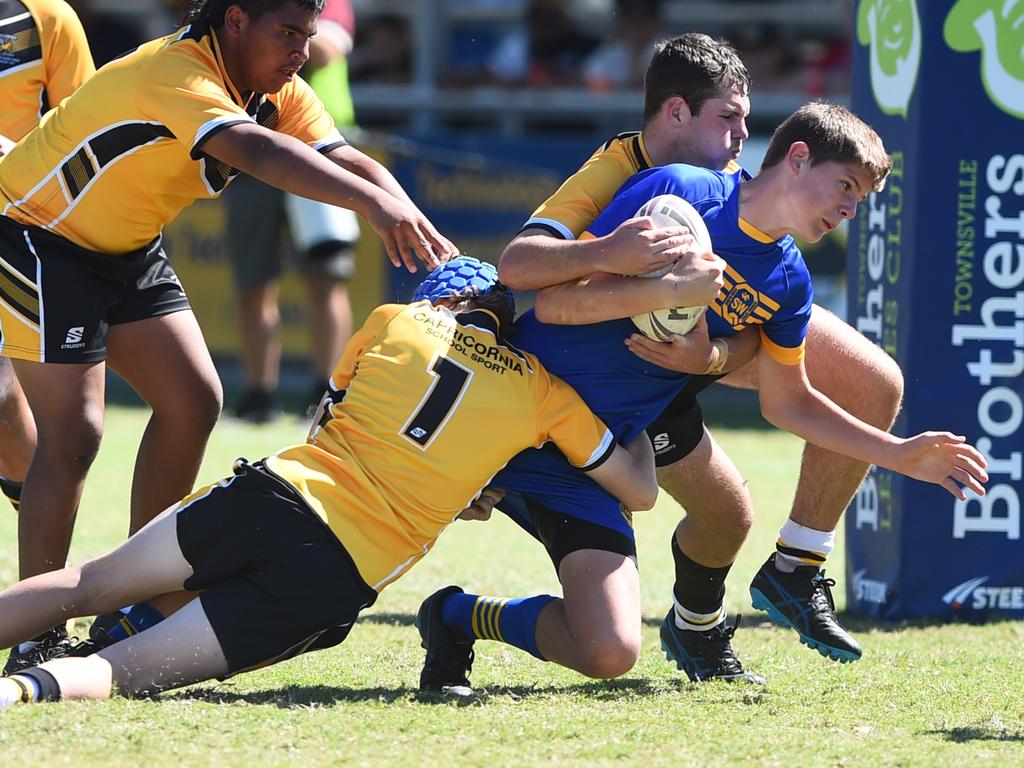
(461, 278)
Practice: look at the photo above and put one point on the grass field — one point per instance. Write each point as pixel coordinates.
(928, 695)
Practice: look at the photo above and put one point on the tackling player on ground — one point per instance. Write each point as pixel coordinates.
(390, 461)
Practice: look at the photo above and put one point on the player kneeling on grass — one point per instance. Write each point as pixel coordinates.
(390, 461)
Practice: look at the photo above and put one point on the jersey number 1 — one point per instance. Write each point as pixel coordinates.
(443, 397)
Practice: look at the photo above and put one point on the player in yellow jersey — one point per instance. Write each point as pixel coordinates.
(44, 57)
(85, 282)
(290, 549)
(696, 104)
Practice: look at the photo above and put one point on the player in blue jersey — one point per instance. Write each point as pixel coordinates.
(696, 100)
(821, 163)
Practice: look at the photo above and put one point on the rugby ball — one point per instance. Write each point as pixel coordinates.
(672, 211)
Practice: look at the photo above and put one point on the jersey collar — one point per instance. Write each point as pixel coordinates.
(236, 95)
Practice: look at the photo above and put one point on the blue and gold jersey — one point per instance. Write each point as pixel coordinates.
(44, 57)
(426, 407)
(121, 157)
(767, 283)
(768, 286)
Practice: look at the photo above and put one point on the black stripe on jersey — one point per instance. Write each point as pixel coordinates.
(600, 459)
(44, 102)
(267, 115)
(21, 296)
(638, 154)
(195, 31)
(19, 40)
(114, 142)
(618, 137)
(77, 172)
(554, 232)
(333, 145)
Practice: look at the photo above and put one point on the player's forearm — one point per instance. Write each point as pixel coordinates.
(599, 298)
(534, 261)
(818, 420)
(629, 475)
(286, 163)
(364, 166)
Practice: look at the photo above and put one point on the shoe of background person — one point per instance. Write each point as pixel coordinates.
(449, 655)
(52, 644)
(706, 655)
(257, 406)
(803, 601)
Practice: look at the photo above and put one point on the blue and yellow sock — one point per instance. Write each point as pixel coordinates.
(136, 618)
(510, 621)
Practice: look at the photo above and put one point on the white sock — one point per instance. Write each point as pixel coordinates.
(697, 622)
(799, 545)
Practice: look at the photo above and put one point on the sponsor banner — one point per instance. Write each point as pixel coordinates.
(936, 277)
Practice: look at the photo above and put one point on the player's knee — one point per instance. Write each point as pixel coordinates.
(74, 447)
(609, 657)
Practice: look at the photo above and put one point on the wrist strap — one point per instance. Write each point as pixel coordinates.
(719, 356)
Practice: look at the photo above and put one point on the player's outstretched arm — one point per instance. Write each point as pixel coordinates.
(789, 402)
(694, 352)
(694, 280)
(286, 163)
(629, 475)
(534, 259)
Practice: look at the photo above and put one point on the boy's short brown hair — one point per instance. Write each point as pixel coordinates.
(833, 134)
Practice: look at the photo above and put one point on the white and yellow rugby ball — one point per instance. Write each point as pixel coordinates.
(672, 211)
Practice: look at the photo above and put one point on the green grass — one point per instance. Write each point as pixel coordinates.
(928, 695)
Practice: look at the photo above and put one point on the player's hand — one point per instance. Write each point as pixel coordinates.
(944, 459)
(695, 279)
(481, 508)
(408, 235)
(637, 247)
(686, 354)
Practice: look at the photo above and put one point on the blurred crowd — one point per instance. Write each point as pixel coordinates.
(531, 43)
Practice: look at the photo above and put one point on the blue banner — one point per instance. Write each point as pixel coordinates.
(936, 277)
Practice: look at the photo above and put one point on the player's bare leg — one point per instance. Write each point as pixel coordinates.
(865, 381)
(165, 360)
(181, 650)
(719, 513)
(595, 627)
(17, 434)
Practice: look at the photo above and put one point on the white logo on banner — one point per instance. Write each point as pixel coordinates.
(892, 31)
(981, 597)
(869, 590)
(996, 28)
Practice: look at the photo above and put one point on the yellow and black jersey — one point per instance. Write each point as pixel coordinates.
(577, 203)
(425, 407)
(119, 159)
(44, 58)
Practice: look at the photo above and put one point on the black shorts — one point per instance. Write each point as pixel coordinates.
(680, 427)
(563, 534)
(277, 581)
(58, 300)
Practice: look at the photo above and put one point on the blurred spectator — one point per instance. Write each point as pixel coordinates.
(114, 31)
(772, 61)
(621, 62)
(322, 240)
(383, 51)
(546, 50)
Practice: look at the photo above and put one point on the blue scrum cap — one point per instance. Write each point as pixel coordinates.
(460, 278)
